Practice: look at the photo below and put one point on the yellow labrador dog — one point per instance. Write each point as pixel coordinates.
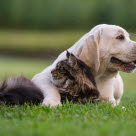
(107, 49)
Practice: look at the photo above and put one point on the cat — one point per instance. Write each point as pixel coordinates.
(71, 76)
(75, 80)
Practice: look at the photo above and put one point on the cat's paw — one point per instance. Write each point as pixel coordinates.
(51, 102)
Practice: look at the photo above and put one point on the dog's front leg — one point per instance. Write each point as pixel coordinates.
(51, 93)
(106, 90)
(51, 96)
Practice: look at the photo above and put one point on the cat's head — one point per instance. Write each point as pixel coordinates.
(80, 70)
(74, 62)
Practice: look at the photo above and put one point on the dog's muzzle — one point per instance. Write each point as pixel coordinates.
(124, 66)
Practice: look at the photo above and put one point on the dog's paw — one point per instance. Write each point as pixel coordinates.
(108, 100)
(113, 102)
(51, 103)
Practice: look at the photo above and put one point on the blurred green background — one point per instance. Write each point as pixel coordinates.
(34, 32)
(65, 14)
(44, 28)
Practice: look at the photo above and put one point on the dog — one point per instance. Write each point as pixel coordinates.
(106, 49)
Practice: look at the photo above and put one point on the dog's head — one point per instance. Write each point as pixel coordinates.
(108, 47)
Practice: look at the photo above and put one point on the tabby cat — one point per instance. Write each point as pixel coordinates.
(72, 76)
(74, 80)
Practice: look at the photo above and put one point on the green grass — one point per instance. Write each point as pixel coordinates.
(70, 119)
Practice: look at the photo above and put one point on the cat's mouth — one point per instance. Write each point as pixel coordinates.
(123, 66)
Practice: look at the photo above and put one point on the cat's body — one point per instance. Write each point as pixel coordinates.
(72, 76)
(75, 80)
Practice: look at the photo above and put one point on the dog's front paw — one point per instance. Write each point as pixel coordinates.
(108, 100)
(51, 102)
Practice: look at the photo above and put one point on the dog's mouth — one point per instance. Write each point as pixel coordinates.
(125, 66)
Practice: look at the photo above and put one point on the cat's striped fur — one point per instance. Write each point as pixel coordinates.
(72, 76)
(74, 80)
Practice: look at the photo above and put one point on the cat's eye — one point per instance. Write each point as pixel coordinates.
(57, 66)
(120, 37)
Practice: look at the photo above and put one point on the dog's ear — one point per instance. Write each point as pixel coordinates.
(89, 51)
(72, 60)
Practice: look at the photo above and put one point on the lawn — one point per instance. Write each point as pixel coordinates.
(70, 119)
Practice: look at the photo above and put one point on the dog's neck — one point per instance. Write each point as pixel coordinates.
(105, 75)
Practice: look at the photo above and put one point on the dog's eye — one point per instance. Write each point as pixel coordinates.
(120, 37)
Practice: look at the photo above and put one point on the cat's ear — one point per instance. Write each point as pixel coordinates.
(72, 60)
(67, 54)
